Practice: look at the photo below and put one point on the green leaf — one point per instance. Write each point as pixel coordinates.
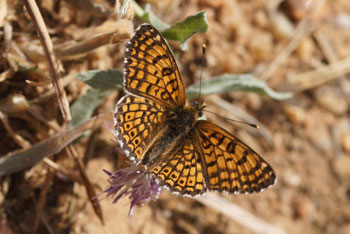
(182, 31)
(148, 16)
(83, 108)
(25, 68)
(106, 80)
(231, 82)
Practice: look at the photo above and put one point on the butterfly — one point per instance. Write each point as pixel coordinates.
(155, 128)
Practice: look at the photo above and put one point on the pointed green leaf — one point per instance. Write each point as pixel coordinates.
(83, 108)
(149, 17)
(182, 31)
(107, 80)
(232, 82)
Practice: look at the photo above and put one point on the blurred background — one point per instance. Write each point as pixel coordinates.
(298, 46)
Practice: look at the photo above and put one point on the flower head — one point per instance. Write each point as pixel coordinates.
(134, 183)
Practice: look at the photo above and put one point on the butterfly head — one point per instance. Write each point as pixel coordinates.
(199, 106)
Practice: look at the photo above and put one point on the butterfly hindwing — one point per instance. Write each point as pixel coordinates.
(136, 121)
(151, 70)
(230, 164)
(182, 171)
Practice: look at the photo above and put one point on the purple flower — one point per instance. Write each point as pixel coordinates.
(133, 182)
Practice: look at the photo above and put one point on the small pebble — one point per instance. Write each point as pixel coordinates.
(345, 141)
(292, 178)
(303, 208)
(298, 9)
(254, 101)
(332, 100)
(213, 4)
(295, 114)
(306, 49)
(342, 167)
(281, 27)
(261, 19)
(261, 45)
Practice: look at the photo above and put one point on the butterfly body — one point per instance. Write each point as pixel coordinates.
(178, 126)
(156, 128)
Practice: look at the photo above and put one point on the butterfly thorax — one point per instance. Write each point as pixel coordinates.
(183, 119)
(178, 127)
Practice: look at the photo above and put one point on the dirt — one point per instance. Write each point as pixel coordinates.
(310, 147)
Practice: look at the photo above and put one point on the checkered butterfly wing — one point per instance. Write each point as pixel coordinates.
(182, 171)
(136, 121)
(231, 165)
(216, 160)
(150, 69)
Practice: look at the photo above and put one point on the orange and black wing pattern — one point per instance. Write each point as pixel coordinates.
(150, 69)
(230, 165)
(182, 171)
(136, 122)
(207, 157)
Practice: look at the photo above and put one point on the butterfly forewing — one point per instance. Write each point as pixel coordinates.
(230, 164)
(151, 70)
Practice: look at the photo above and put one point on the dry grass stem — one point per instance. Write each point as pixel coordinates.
(328, 51)
(89, 7)
(59, 169)
(91, 44)
(319, 76)
(23, 159)
(43, 97)
(46, 42)
(15, 136)
(303, 29)
(90, 190)
(238, 214)
(42, 199)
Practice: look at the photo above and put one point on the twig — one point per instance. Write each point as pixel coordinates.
(90, 191)
(90, 150)
(320, 75)
(92, 43)
(238, 214)
(46, 224)
(303, 29)
(15, 136)
(48, 94)
(46, 42)
(89, 7)
(330, 55)
(58, 169)
(23, 159)
(42, 199)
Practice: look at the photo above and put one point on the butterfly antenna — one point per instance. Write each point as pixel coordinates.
(204, 49)
(233, 120)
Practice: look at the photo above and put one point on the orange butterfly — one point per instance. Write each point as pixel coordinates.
(156, 128)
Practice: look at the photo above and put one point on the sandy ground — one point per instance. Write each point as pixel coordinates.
(281, 42)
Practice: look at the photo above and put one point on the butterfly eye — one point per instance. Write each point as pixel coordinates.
(200, 113)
